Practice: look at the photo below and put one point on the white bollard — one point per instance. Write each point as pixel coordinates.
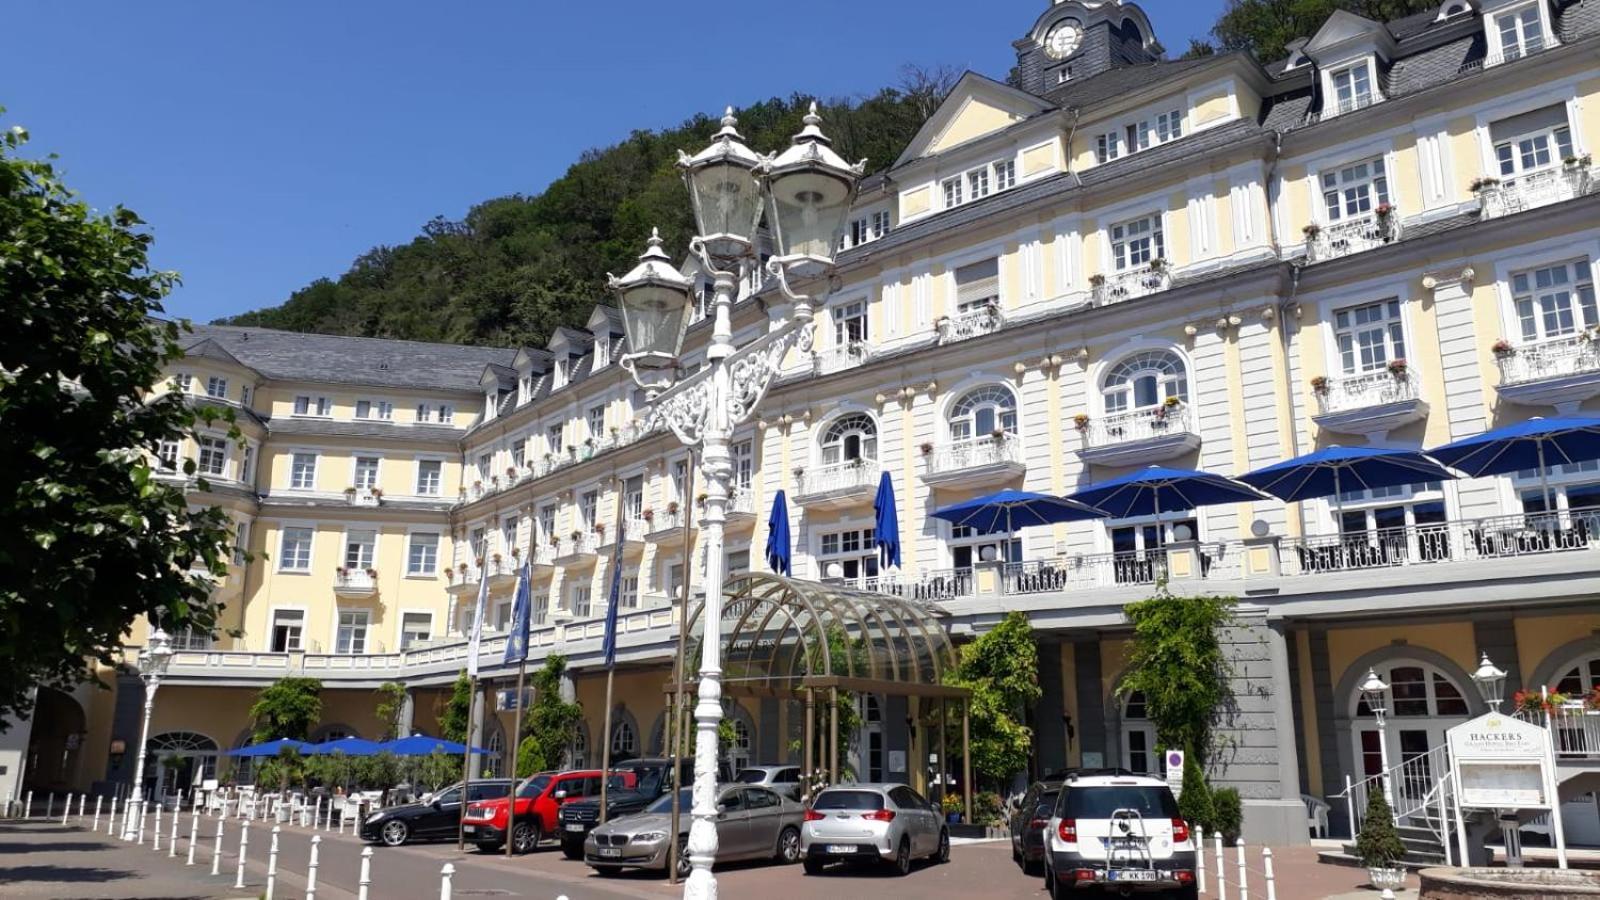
(95, 825)
(10, 796)
(365, 883)
(327, 822)
(311, 868)
(194, 832)
(139, 838)
(1200, 859)
(1266, 866)
(316, 814)
(272, 862)
(83, 800)
(445, 874)
(111, 821)
(66, 810)
(172, 839)
(244, 844)
(1222, 868)
(216, 852)
(50, 806)
(1244, 877)
(27, 805)
(155, 837)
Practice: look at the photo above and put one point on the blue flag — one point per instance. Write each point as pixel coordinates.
(609, 645)
(521, 616)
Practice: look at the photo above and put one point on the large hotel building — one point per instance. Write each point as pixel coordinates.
(1106, 260)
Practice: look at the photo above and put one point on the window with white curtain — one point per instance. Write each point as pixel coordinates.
(1145, 380)
(850, 438)
(982, 411)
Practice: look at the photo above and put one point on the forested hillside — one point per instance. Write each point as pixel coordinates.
(516, 267)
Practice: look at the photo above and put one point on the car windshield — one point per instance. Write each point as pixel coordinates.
(849, 800)
(664, 803)
(1047, 802)
(534, 786)
(616, 783)
(1149, 801)
(649, 780)
(751, 776)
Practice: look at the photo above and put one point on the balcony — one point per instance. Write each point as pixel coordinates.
(841, 358)
(1140, 437)
(541, 556)
(464, 580)
(578, 548)
(363, 496)
(355, 583)
(1495, 537)
(1503, 198)
(1325, 242)
(741, 508)
(632, 533)
(667, 526)
(1372, 403)
(986, 319)
(837, 486)
(978, 462)
(1561, 372)
(1130, 285)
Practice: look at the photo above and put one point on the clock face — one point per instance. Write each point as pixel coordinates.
(1063, 39)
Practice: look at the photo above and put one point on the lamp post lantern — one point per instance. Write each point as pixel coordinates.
(153, 661)
(1376, 692)
(1491, 682)
(805, 192)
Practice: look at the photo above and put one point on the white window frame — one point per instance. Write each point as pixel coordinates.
(1396, 336)
(294, 469)
(417, 483)
(168, 453)
(1120, 239)
(272, 628)
(594, 418)
(438, 553)
(400, 631)
(863, 555)
(356, 469)
(581, 591)
(358, 639)
(1496, 28)
(1357, 99)
(217, 387)
(849, 317)
(1542, 302)
(220, 447)
(1352, 188)
(952, 189)
(867, 441)
(1108, 146)
(349, 539)
(311, 548)
(1519, 151)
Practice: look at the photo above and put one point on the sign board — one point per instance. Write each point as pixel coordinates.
(897, 760)
(1093, 759)
(210, 784)
(1502, 763)
(1175, 771)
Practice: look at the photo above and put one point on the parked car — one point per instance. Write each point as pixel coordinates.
(539, 800)
(650, 778)
(434, 817)
(872, 823)
(1028, 822)
(753, 822)
(1118, 834)
(783, 779)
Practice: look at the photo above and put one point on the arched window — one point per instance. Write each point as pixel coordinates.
(580, 748)
(739, 751)
(624, 743)
(983, 411)
(1580, 678)
(493, 760)
(849, 439)
(180, 761)
(1145, 380)
(1418, 691)
(1138, 736)
(181, 742)
(1423, 704)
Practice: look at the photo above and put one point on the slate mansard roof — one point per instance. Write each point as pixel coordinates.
(337, 359)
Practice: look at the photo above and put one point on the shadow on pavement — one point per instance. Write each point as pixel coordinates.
(67, 847)
(61, 874)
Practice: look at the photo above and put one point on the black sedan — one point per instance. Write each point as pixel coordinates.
(435, 817)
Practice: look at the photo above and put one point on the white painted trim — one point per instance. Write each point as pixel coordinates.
(311, 558)
(1564, 249)
(1094, 375)
(305, 623)
(439, 561)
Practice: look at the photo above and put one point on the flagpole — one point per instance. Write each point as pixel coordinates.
(614, 599)
(677, 687)
(517, 645)
(466, 766)
(516, 753)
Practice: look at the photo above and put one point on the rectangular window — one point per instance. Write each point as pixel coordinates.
(415, 628)
(1369, 336)
(1107, 147)
(848, 555)
(508, 534)
(672, 580)
(582, 596)
(447, 413)
(217, 387)
(1169, 126)
(850, 323)
(247, 468)
(1005, 174)
(182, 382)
(547, 522)
(519, 452)
(744, 465)
(294, 550)
(302, 406)
(241, 542)
(1355, 190)
(629, 592)
(978, 183)
(360, 549)
(429, 475)
(589, 508)
(738, 562)
(1138, 136)
(288, 628)
(363, 409)
(303, 471)
(366, 472)
(1352, 87)
(424, 412)
(596, 419)
(880, 224)
(422, 555)
(244, 395)
(680, 478)
(952, 192)
(633, 497)
(485, 466)
(541, 607)
(1554, 301)
(553, 440)
(1521, 32)
(385, 410)
(352, 638)
(978, 285)
(167, 456)
(213, 455)
(1531, 142)
(1136, 243)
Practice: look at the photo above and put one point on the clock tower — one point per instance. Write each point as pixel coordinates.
(1076, 39)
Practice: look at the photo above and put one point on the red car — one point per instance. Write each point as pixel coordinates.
(539, 798)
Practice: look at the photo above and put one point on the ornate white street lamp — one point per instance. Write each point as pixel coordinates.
(153, 662)
(1376, 692)
(807, 191)
(1491, 682)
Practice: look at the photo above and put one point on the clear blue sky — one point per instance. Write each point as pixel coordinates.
(271, 143)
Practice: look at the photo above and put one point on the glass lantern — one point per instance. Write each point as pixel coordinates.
(724, 191)
(1491, 682)
(809, 189)
(1376, 692)
(655, 302)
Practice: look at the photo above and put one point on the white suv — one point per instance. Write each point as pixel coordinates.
(1118, 833)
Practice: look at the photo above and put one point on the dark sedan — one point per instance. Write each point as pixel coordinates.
(1028, 823)
(435, 817)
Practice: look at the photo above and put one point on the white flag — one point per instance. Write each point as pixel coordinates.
(475, 638)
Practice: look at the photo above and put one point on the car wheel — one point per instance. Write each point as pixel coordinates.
(942, 855)
(394, 833)
(572, 850)
(1016, 855)
(813, 866)
(683, 857)
(902, 858)
(525, 838)
(789, 846)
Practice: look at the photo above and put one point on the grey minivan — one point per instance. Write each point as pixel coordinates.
(872, 823)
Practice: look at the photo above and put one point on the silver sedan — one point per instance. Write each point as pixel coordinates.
(873, 823)
(753, 822)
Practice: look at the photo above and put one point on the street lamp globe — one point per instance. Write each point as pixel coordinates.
(655, 314)
(809, 191)
(1376, 692)
(724, 191)
(1491, 682)
(157, 655)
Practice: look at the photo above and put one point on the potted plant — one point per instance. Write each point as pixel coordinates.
(1097, 281)
(511, 473)
(998, 435)
(477, 485)
(1081, 421)
(953, 808)
(1311, 231)
(1398, 368)
(350, 491)
(463, 568)
(1502, 349)
(1577, 162)
(699, 499)
(371, 572)
(649, 514)
(494, 481)
(1545, 701)
(927, 448)
(600, 528)
(799, 471)
(1486, 183)
(1172, 402)
(480, 562)
(672, 508)
(555, 541)
(1158, 265)
(576, 535)
(1319, 384)
(377, 492)
(341, 571)
(1378, 845)
(1591, 700)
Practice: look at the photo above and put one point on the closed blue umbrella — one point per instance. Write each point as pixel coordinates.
(778, 555)
(349, 746)
(886, 524)
(422, 745)
(1331, 471)
(269, 748)
(1156, 490)
(1534, 444)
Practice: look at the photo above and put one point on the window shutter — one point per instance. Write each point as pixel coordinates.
(1552, 116)
(977, 282)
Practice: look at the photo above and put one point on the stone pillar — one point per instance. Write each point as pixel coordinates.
(1262, 558)
(1094, 739)
(1183, 560)
(476, 733)
(1257, 751)
(1050, 732)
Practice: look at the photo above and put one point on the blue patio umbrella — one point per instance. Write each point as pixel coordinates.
(1534, 444)
(422, 745)
(1006, 511)
(1156, 490)
(778, 555)
(1331, 471)
(269, 748)
(349, 746)
(886, 523)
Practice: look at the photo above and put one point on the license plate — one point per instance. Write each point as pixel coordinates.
(1131, 875)
(610, 851)
(841, 848)
(574, 826)
(469, 829)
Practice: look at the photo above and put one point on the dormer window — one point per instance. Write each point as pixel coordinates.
(1453, 8)
(1352, 87)
(978, 181)
(602, 351)
(525, 388)
(1520, 32)
(563, 369)
(952, 192)
(489, 404)
(865, 230)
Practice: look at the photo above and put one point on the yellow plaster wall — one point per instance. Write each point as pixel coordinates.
(1069, 701)
(1452, 639)
(1308, 711)
(1038, 159)
(1406, 187)
(1538, 636)
(1464, 153)
(974, 120)
(1010, 276)
(1588, 113)
(916, 202)
(1296, 201)
(1180, 251)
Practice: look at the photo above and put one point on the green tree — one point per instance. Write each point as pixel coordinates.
(391, 702)
(90, 539)
(286, 770)
(1194, 803)
(548, 724)
(1264, 27)
(1227, 814)
(455, 719)
(1176, 661)
(1001, 668)
(378, 772)
(286, 708)
(1378, 844)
